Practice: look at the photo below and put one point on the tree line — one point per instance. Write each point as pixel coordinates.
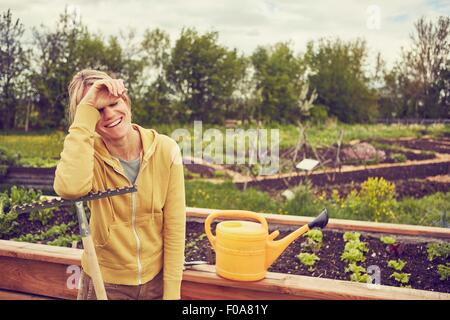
(197, 78)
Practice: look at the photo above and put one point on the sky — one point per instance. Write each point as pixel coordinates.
(245, 24)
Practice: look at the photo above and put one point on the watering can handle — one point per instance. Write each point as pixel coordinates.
(231, 214)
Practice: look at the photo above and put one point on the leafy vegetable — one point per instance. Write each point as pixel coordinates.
(396, 264)
(308, 259)
(388, 240)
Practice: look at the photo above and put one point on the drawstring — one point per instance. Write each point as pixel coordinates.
(106, 186)
(153, 190)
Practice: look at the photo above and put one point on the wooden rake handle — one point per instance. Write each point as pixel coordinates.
(89, 249)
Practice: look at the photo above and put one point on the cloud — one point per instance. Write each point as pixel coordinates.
(245, 24)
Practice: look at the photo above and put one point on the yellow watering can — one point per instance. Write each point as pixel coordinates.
(244, 249)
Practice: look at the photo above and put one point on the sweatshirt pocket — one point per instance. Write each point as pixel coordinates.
(119, 251)
(150, 231)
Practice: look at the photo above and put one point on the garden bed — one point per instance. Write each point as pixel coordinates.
(40, 271)
(416, 170)
(415, 188)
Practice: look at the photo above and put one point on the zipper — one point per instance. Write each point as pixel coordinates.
(133, 219)
(133, 223)
(138, 241)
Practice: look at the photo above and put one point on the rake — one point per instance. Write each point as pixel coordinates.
(85, 231)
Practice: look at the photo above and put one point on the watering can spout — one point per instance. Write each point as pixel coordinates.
(276, 248)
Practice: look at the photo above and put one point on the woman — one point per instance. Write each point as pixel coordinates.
(139, 237)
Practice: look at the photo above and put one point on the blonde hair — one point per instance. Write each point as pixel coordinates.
(80, 81)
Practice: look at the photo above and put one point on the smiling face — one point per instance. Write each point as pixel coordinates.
(115, 120)
(115, 117)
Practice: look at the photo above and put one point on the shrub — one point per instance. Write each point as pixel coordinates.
(319, 114)
(304, 202)
(374, 202)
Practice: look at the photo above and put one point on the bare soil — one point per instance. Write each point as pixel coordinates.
(423, 273)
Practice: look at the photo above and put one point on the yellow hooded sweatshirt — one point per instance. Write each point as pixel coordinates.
(135, 234)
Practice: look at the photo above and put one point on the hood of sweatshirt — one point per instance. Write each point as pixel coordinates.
(149, 138)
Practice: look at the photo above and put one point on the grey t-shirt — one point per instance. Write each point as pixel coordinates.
(131, 168)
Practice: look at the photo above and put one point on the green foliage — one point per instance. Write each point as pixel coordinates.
(319, 114)
(401, 277)
(315, 235)
(358, 273)
(8, 219)
(65, 240)
(53, 232)
(438, 250)
(220, 174)
(338, 74)
(37, 162)
(205, 74)
(417, 85)
(43, 215)
(360, 277)
(444, 271)
(279, 76)
(314, 240)
(18, 196)
(308, 259)
(14, 69)
(354, 248)
(388, 240)
(398, 157)
(37, 145)
(374, 202)
(356, 245)
(354, 268)
(304, 203)
(353, 256)
(396, 264)
(226, 195)
(351, 236)
(7, 159)
(428, 211)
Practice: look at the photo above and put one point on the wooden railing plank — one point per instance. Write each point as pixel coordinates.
(341, 224)
(13, 295)
(38, 277)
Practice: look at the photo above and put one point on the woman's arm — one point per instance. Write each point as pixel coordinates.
(174, 228)
(75, 171)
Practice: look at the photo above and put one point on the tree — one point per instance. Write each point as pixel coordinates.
(156, 98)
(280, 77)
(337, 71)
(57, 60)
(13, 65)
(203, 75)
(422, 74)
